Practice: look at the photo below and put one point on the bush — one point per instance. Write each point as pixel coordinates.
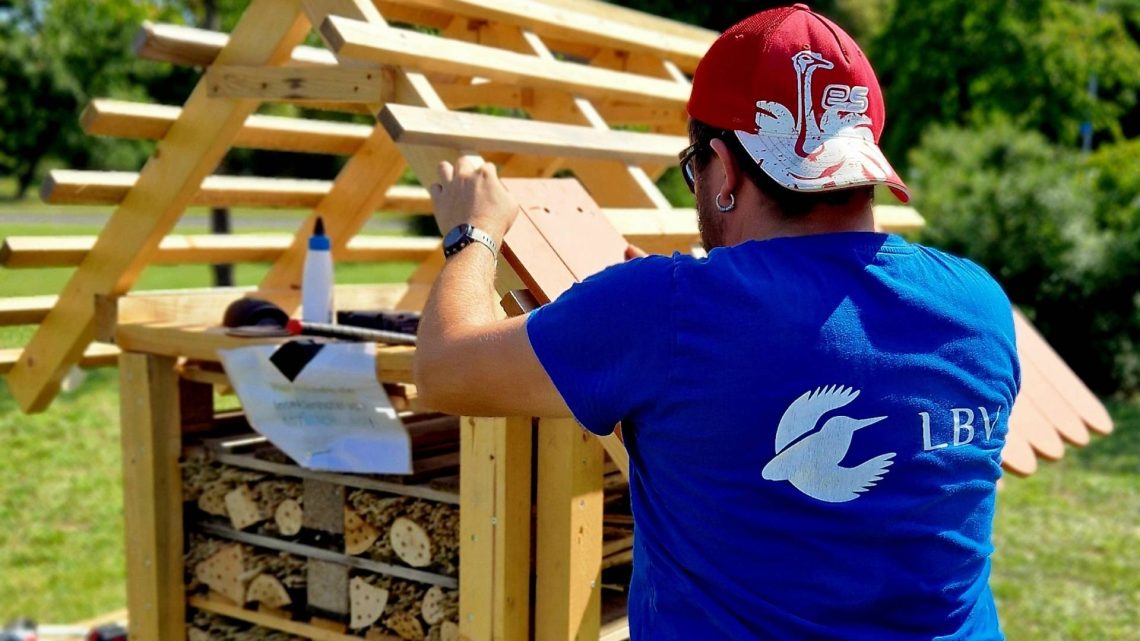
(1057, 230)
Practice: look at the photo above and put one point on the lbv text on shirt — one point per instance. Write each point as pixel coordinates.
(963, 431)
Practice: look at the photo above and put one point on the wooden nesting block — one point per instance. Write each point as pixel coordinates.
(328, 585)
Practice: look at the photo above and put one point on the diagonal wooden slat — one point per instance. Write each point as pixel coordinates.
(191, 150)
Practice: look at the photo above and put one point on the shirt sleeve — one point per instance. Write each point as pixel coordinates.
(607, 341)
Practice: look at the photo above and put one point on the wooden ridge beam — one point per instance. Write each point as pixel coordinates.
(20, 252)
(428, 53)
(299, 84)
(579, 24)
(192, 149)
(70, 186)
(137, 120)
(456, 130)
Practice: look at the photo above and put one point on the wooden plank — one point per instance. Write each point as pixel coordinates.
(624, 15)
(197, 342)
(1017, 456)
(360, 186)
(428, 53)
(494, 528)
(267, 620)
(152, 490)
(571, 24)
(181, 45)
(1037, 429)
(1051, 402)
(18, 252)
(338, 84)
(456, 130)
(23, 310)
(569, 532)
(191, 150)
(97, 355)
(71, 186)
(897, 218)
(142, 121)
(1031, 346)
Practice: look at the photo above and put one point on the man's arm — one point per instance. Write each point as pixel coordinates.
(467, 361)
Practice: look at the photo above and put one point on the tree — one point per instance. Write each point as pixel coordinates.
(962, 62)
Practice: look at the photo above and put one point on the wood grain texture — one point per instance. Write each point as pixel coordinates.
(569, 533)
(429, 53)
(152, 490)
(292, 84)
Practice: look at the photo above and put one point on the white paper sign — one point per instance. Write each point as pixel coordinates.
(333, 416)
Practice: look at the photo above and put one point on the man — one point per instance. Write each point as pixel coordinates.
(814, 413)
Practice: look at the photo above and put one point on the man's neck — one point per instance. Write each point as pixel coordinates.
(823, 220)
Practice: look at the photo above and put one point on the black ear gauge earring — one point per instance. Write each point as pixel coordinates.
(724, 209)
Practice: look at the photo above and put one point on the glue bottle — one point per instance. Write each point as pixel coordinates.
(317, 280)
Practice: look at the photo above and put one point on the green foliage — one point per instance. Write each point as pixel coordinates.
(1059, 231)
(963, 62)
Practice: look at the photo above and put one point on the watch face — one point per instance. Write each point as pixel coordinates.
(455, 235)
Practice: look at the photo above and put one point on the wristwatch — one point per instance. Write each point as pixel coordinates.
(463, 235)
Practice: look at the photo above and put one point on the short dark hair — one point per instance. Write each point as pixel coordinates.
(792, 204)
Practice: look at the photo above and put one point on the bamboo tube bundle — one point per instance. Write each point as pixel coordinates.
(244, 574)
(210, 627)
(419, 533)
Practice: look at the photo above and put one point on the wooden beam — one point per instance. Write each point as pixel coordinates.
(97, 355)
(613, 29)
(191, 150)
(152, 491)
(569, 532)
(457, 130)
(361, 186)
(427, 53)
(494, 528)
(67, 251)
(24, 310)
(123, 119)
(200, 342)
(74, 187)
(181, 45)
(338, 84)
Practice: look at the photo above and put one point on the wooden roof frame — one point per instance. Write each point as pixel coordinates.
(576, 67)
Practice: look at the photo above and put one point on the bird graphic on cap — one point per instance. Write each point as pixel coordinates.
(811, 464)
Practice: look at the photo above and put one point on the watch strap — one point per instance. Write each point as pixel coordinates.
(468, 235)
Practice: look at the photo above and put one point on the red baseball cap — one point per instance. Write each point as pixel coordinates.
(802, 99)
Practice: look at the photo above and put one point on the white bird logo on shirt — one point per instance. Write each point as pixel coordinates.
(811, 464)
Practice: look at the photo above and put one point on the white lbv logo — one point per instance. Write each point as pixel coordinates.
(811, 464)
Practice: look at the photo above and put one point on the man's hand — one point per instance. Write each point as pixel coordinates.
(471, 194)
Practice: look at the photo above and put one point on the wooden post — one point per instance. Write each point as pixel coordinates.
(152, 488)
(569, 534)
(494, 529)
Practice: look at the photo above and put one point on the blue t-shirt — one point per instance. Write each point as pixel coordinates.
(814, 426)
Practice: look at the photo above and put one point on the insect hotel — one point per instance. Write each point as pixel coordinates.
(509, 528)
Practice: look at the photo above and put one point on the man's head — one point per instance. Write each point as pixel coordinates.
(785, 117)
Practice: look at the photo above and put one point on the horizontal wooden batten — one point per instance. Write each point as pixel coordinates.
(427, 53)
(136, 120)
(24, 310)
(458, 130)
(97, 355)
(303, 84)
(68, 251)
(110, 187)
(181, 45)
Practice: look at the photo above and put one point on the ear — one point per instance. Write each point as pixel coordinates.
(732, 170)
